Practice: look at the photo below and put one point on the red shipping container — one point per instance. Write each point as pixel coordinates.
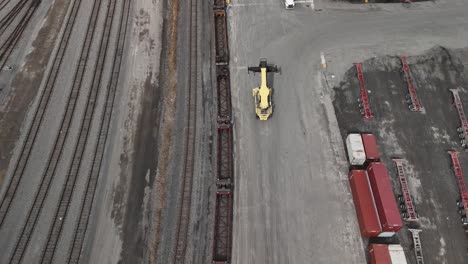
(364, 204)
(379, 254)
(387, 208)
(370, 147)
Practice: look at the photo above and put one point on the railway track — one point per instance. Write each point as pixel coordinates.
(73, 171)
(186, 195)
(8, 19)
(6, 48)
(38, 115)
(55, 155)
(3, 3)
(86, 206)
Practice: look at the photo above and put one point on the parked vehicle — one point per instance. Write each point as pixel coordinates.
(289, 4)
(364, 203)
(370, 148)
(355, 149)
(387, 208)
(386, 254)
(262, 94)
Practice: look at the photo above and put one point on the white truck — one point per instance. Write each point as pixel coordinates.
(289, 4)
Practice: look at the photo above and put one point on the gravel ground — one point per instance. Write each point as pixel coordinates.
(121, 218)
(421, 138)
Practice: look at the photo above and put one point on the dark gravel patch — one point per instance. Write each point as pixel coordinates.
(421, 138)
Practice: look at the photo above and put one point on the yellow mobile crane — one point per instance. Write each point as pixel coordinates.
(262, 94)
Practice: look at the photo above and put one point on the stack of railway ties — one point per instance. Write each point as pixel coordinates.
(376, 209)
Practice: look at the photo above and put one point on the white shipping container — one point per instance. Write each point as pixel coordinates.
(355, 148)
(397, 255)
(386, 234)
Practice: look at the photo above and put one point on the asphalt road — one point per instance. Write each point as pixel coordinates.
(292, 200)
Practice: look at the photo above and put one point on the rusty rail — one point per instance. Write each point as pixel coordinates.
(190, 130)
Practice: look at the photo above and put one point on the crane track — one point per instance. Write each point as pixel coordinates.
(55, 155)
(186, 195)
(38, 115)
(73, 170)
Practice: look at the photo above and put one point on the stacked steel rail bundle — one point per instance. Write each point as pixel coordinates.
(224, 185)
(412, 97)
(462, 203)
(463, 128)
(417, 245)
(364, 106)
(406, 200)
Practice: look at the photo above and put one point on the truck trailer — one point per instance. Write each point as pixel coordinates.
(387, 208)
(370, 148)
(366, 211)
(355, 149)
(386, 254)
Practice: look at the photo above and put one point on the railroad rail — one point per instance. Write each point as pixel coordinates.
(12, 14)
(3, 3)
(38, 115)
(463, 129)
(409, 212)
(364, 106)
(412, 97)
(190, 130)
(92, 179)
(7, 47)
(222, 235)
(55, 155)
(67, 192)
